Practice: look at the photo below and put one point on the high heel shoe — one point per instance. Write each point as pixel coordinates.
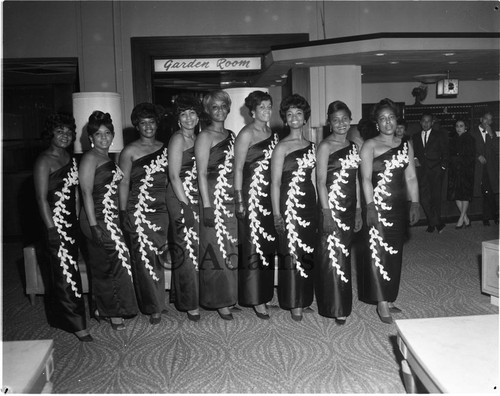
(384, 318)
(260, 315)
(224, 316)
(155, 318)
(117, 326)
(340, 321)
(84, 338)
(296, 317)
(193, 317)
(459, 227)
(96, 316)
(467, 225)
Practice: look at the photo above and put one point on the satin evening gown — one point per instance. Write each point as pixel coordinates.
(461, 168)
(218, 267)
(332, 272)
(256, 232)
(148, 215)
(382, 264)
(64, 301)
(186, 240)
(296, 245)
(111, 274)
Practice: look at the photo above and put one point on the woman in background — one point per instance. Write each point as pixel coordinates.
(214, 152)
(339, 197)
(182, 200)
(388, 175)
(108, 255)
(252, 156)
(294, 207)
(56, 188)
(461, 171)
(143, 208)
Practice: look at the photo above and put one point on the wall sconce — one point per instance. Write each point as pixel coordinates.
(84, 104)
(447, 88)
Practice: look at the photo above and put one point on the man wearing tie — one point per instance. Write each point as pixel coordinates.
(431, 161)
(486, 169)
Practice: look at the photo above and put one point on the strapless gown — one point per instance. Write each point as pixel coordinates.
(332, 272)
(111, 274)
(65, 306)
(256, 232)
(382, 264)
(296, 246)
(147, 211)
(218, 267)
(185, 251)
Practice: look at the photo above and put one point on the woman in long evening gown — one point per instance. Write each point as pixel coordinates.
(461, 171)
(339, 197)
(294, 208)
(143, 209)
(182, 200)
(56, 188)
(252, 151)
(107, 253)
(388, 178)
(218, 264)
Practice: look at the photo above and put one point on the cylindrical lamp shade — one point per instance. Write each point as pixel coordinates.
(239, 116)
(84, 104)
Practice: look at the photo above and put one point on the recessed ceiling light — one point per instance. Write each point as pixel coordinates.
(479, 78)
(278, 80)
(452, 62)
(284, 76)
(380, 54)
(394, 62)
(299, 63)
(449, 54)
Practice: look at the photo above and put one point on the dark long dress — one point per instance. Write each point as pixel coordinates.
(256, 232)
(65, 306)
(332, 272)
(461, 168)
(111, 273)
(382, 265)
(147, 211)
(218, 266)
(186, 240)
(296, 246)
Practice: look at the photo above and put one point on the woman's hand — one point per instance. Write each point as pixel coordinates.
(358, 220)
(414, 213)
(327, 224)
(97, 235)
(188, 215)
(279, 224)
(53, 236)
(240, 208)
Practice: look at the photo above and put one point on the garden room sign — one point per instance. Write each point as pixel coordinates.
(174, 65)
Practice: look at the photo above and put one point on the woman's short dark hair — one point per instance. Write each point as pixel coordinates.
(295, 101)
(146, 110)
(97, 119)
(210, 97)
(255, 99)
(187, 102)
(337, 106)
(402, 121)
(56, 120)
(382, 105)
(465, 123)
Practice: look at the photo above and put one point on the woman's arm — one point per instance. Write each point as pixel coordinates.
(240, 154)
(202, 148)
(125, 163)
(411, 176)
(277, 161)
(86, 175)
(41, 174)
(366, 155)
(175, 152)
(321, 172)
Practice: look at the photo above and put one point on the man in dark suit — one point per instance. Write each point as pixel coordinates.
(431, 161)
(486, 169)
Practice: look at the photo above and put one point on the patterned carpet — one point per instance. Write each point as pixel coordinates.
(441, 277)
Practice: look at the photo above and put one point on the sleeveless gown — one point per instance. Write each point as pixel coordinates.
(382, 266)
(147, 211)
(186, 240)
(332, 272)
(65, 305)
(218, 266)
(296, 245)
(109, 265)
(256, 232)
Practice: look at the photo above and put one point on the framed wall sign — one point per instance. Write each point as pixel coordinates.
(177, 65)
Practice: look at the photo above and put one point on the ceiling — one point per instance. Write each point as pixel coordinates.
(384, 58)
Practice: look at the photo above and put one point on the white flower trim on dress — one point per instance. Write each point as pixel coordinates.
(110, 212)
(58, 217)
(292, 202)
(220, 196)
(157, 165)
(351, 161)
(190, 236)
(398, 160)
(254, 206)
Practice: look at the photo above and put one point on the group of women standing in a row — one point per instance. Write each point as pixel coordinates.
(233, 204)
